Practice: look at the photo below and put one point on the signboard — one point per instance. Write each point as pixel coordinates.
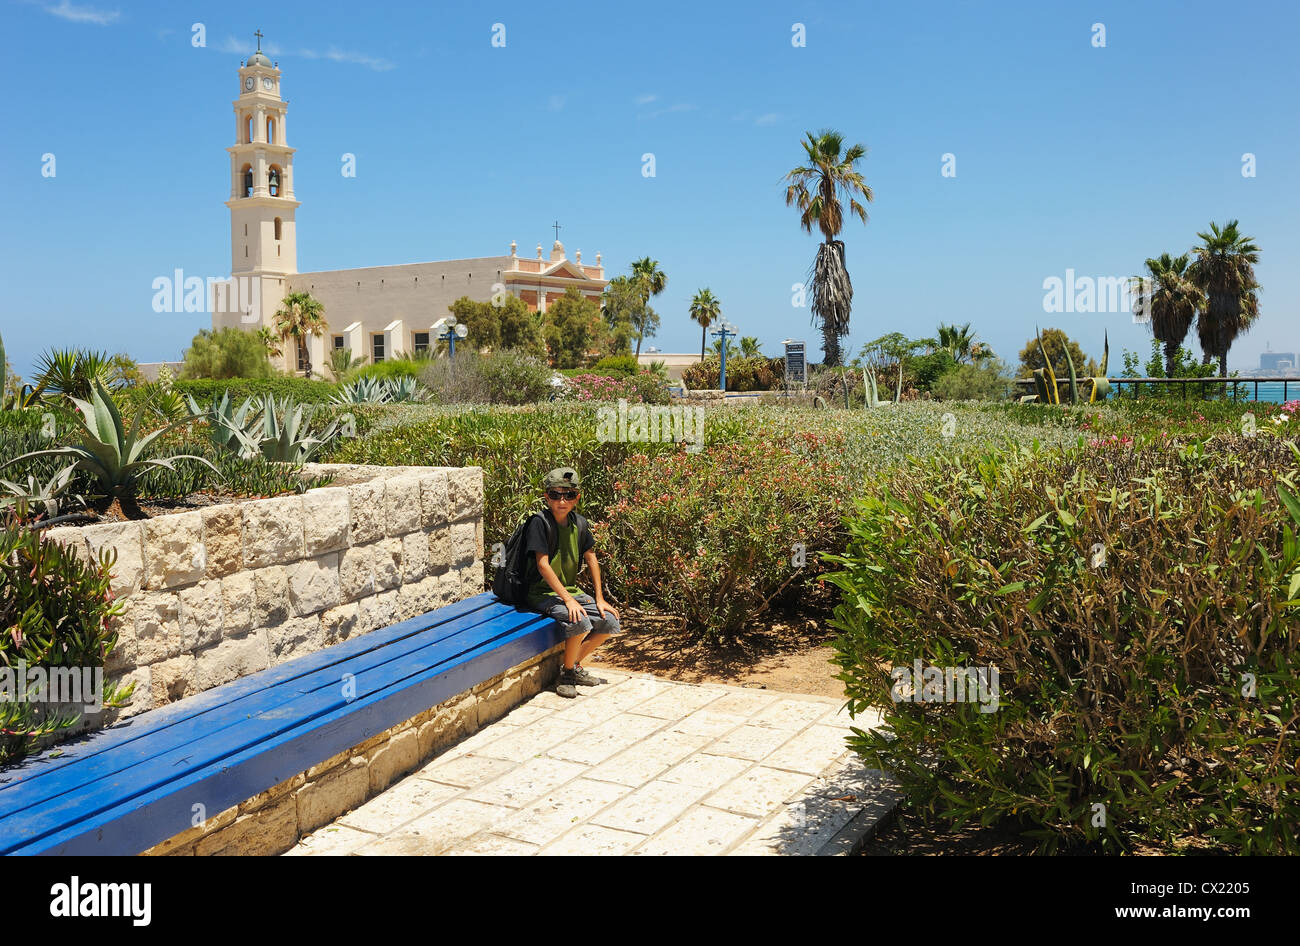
(795, 369)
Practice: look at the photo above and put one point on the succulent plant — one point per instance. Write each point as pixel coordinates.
(110, 452)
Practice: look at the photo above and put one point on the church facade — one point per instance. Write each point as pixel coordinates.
(379, 311)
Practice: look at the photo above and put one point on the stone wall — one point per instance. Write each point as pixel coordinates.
(228, 590)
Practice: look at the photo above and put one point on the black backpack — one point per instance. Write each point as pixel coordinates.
(518, 571)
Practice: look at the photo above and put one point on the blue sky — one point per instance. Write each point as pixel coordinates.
(1067, 155)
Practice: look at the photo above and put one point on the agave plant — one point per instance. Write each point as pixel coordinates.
(285, 437)
(48, 495)
(869, 388)
(363, 391)
(112, 454)
(229, 429)
(1049, 388)
(404, 390)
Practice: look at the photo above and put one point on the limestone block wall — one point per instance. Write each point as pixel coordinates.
(228, 590)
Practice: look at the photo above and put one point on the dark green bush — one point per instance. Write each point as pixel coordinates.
(927, 369)
(205, 391)
(616, 365)
(1140, 605)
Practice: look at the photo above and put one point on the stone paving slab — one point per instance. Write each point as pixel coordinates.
(639, 766)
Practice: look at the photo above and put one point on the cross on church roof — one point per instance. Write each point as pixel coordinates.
(556, 226)
(258, 34)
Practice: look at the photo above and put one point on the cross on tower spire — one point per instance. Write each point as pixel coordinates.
(556, 227)
(258, 34)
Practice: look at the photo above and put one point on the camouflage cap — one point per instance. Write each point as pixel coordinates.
(562, 476)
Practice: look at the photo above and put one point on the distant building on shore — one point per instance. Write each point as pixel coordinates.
(1277, 362)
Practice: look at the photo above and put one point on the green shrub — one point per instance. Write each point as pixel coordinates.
(743, 374)
(392, 368)
(225, 354)
(985, 381)
(717, 536)
(624, 365)
(1126, 595)
(504, 377)
(299, 389)
(55, 609)
(928, 369)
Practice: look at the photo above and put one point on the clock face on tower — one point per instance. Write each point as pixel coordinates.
(248, 84)
(268, 83)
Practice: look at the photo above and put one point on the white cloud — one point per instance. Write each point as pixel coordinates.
(75, 14)
(770, 118)
(333, 54)
(646, 99)
(555, 102)
(679, 107)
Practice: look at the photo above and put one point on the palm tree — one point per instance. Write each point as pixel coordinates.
(300, 317)
(647, 274)
(1172, 304)
(705, 309)
(1224, 271)
(814, 189)
(749, 347)
(270, 341)
(958, 341)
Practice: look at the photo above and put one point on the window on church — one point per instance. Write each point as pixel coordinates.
(248, 129)
(248, 180)
(270, 131)
(273, 180)
(420, 342)
(377, 348)
(277, 228)
(302, 356)
(338, 342)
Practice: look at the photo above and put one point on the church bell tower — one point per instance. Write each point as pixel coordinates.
(263, 238)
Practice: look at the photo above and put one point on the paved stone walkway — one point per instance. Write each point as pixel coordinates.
(637, 766)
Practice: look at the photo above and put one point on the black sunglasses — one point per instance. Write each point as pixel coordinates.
(559, 494)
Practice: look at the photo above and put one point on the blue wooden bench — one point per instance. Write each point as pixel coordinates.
(126, 788)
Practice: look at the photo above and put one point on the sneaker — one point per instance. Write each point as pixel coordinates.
(584, 679)
(567, 685)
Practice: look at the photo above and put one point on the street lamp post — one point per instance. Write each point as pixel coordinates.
(448, 329)
(725, 330)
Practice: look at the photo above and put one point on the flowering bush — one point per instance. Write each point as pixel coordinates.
(644, 388)
(716, 537)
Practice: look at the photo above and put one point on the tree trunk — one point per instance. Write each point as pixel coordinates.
(1223, 365)
(703, 329)
(830, 347)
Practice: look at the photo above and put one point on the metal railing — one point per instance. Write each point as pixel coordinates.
(1116, 384)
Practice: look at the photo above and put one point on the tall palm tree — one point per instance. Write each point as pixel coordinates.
(749, 347)
(815, 189)
(647, 274)
(299, 317)
(1173, 302)
(705, 309)
(1224, 270)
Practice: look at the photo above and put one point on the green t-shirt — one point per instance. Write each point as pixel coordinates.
(565, 562)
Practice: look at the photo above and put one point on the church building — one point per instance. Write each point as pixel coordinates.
(377, 311)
